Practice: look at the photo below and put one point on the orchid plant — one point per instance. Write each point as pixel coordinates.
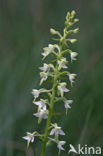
(55, 71)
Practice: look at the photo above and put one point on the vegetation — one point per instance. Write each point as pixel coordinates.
(24, 31)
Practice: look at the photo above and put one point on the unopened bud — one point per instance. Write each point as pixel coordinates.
(76, 20)
(73, 13)
(70, 23)
(52, 31)
(76, 30)
(73, 40)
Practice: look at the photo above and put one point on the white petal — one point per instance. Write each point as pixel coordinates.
(61, 132)
(67, 106)
(73, 55)
(35, 92)
(62, 142)
(37, 114)
(60, 147)
(44, 108)
(26, 138)
(38, 103)
(42, 68)
(52, 131)
(70, 101)
(44, 54)
(64, 66)
(59, 88)
(66, 90)
(45, 116)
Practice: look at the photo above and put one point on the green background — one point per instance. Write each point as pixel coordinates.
(24, 31)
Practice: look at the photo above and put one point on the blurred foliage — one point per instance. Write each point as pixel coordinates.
(24, 31)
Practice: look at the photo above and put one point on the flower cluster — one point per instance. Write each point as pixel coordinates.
(55, 71)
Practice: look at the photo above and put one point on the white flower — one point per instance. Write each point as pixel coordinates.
(45, 67)
(73, 55)
(40, 103)
(48, 50)
(62, 63)
(43, 76)
(60, 144)
(62, 88)
(42, 114)
(29, 137)
(56, 130)
(36, 93)
(72, 77)
(67, 103)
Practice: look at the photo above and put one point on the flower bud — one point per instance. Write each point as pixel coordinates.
(75, 31)
(52, 31)
(73, 13)
(73, 55)
(73, 40)
(76, 20)
(70, 24)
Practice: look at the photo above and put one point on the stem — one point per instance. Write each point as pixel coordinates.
(50, 110)
(49, 118)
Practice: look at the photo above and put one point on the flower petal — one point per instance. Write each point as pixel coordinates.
(61, 132)
(52, 131)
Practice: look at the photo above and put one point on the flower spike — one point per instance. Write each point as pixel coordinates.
(56, 76)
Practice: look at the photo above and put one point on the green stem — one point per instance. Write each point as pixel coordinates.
(49, 119)
(50, 110)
